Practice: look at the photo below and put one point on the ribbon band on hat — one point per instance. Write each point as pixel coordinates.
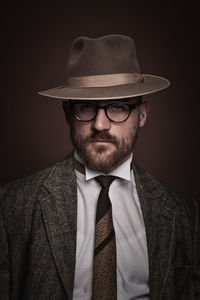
(104, 80)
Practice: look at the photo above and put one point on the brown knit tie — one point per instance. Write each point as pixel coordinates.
(104, 270)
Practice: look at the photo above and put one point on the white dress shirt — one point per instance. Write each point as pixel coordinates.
(132, 258)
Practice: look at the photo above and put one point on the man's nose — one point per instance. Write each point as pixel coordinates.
(101, 122)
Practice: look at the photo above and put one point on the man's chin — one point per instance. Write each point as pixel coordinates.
(99, 157)
(101, 150)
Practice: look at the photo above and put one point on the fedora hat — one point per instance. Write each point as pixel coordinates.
(105, 68)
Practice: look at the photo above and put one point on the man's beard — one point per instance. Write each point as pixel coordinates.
(100, 160)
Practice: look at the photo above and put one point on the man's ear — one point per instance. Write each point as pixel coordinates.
(143, 112)
(66, 109)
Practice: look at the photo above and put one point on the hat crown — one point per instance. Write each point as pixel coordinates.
(110, 54)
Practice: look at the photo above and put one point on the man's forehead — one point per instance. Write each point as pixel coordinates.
(108, 101)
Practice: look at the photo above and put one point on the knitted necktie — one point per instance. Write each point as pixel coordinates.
(104, 267)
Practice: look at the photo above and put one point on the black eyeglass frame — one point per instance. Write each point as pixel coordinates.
(104, 107)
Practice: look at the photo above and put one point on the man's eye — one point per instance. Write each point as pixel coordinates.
(118, 108)
(86, 108)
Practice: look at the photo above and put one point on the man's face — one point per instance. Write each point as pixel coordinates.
(103, 144)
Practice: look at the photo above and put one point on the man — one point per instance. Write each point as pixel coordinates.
(96, 226)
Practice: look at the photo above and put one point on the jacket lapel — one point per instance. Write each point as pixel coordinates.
(159, 218)
(59, 206)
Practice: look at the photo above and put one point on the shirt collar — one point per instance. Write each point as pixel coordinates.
(123, 171)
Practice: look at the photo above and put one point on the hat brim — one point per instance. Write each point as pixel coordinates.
(151, 84)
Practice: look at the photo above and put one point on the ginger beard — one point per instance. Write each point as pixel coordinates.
(104, 157)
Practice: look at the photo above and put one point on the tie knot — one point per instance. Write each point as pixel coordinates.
(105, 181)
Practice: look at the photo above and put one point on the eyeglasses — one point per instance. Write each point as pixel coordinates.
(115, 112)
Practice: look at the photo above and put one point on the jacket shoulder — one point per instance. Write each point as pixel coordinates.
(162, 190)
(15, 192)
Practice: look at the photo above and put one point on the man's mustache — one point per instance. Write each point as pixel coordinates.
(102, 136)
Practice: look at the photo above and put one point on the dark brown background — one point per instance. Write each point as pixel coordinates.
(35, 43)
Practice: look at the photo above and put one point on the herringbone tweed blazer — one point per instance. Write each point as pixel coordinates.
(38, 237)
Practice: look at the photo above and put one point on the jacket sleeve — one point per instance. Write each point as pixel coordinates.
(187, 249)
(196, 272)
(192, 210)
(4, 261)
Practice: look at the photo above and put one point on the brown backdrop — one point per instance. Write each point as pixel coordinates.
(35, 44)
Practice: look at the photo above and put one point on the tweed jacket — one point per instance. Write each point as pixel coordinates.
(38, 237)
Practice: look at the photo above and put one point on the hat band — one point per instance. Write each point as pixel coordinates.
(104, 80)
